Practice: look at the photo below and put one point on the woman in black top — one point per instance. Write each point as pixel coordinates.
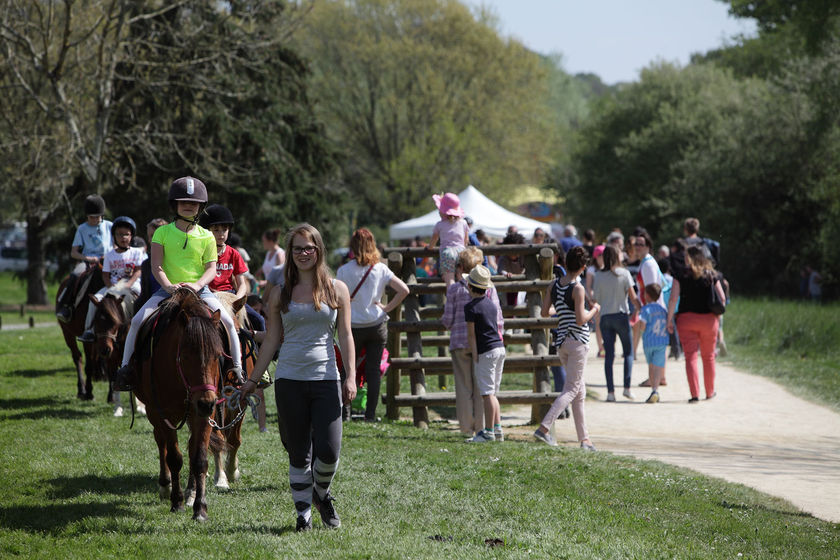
(696, 325)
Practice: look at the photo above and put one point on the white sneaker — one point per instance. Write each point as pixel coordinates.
(545, 438)
(482, 437)
(118, 411)
(610, 397)
(628, 395)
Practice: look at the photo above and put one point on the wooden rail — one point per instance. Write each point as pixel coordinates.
(447, 398)
(422, 327)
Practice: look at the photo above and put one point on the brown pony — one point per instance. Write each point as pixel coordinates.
(90, 281)
(110, 327)
(179, 384)
(225, 456)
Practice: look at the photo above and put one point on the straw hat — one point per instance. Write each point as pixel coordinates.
(479, 277)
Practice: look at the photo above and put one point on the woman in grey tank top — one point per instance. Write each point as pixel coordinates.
(303, 316)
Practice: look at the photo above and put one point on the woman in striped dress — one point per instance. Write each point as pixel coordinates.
(567, 296)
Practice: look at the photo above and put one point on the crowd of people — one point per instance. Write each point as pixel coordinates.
(319, 329)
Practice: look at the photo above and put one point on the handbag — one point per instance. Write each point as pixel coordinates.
(716, 305)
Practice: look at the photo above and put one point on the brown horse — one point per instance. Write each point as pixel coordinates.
(110, 326)
(225, 456)
(90, 281)
(179, 383)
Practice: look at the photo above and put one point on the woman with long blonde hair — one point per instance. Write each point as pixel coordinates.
(302, 318)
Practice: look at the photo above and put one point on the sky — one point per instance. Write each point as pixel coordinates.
(615, 39)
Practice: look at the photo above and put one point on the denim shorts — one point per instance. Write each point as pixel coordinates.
(655, 355)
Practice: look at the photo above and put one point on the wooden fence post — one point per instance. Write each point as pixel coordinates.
(414, 343)
(392, 382)
(539, 266)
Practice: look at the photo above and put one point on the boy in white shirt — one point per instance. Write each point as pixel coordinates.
(121, 263)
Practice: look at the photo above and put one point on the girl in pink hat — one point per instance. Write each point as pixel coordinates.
(452, 231)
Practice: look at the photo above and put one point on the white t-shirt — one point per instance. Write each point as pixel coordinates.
(123, 265)
(650, 274)
(363, 309)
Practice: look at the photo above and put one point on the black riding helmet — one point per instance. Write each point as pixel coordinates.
(94, 205)
(216, 214)
(124, 221)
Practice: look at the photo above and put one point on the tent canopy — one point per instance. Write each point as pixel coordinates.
(485, 213)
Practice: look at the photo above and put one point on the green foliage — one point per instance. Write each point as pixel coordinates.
(735, 153)
(814, 20)
(425, 97)
(79, 484)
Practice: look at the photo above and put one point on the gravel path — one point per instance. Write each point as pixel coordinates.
(753, 432)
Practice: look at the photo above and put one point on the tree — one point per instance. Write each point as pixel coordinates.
(698, 142)
(127, 95)
(814, 20)
(425, 97)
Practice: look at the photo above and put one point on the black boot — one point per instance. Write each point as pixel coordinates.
(124, 378)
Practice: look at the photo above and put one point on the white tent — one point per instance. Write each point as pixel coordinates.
(485, 213)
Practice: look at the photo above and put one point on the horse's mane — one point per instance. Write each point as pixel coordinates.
(201, 334)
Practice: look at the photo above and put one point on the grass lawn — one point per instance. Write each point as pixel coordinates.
(79, 484)
(13, 294)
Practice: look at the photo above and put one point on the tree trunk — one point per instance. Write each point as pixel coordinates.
(36, 286)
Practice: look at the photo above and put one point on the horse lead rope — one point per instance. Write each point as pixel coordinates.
(232, 397)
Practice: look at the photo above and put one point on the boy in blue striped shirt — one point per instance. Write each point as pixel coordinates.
(654, 321)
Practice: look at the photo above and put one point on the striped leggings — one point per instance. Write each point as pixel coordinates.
(309, 415)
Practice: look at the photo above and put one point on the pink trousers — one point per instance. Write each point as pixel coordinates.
(699, 331)
(573, 354)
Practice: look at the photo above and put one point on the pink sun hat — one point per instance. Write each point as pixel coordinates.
(598, 251)
(448, 204)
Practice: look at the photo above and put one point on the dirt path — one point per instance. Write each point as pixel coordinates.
(753, 432)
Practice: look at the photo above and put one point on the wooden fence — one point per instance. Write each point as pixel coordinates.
(422, 327)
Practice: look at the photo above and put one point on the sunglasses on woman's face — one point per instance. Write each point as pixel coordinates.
(307, 250)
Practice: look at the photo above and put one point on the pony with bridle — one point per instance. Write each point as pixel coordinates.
(179, 382)
(231, 412)
(110, 327)
(88, 283)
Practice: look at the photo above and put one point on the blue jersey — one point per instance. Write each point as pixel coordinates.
(655, 318)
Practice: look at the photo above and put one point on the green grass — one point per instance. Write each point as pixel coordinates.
(795, 343)
(77, 483)
(13, 295)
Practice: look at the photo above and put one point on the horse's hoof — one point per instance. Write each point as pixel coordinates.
(236, 475)
(176, 509)
(80, 396)
(87, 397)
(223, 485)
(189, 499)
(200, 517)
(164, 492)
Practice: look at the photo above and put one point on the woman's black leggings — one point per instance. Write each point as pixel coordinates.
(309, 416)
(373, 340)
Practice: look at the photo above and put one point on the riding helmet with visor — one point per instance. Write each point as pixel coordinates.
(126, 222)
(216, 214)
(187, 189)
(94, 205)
